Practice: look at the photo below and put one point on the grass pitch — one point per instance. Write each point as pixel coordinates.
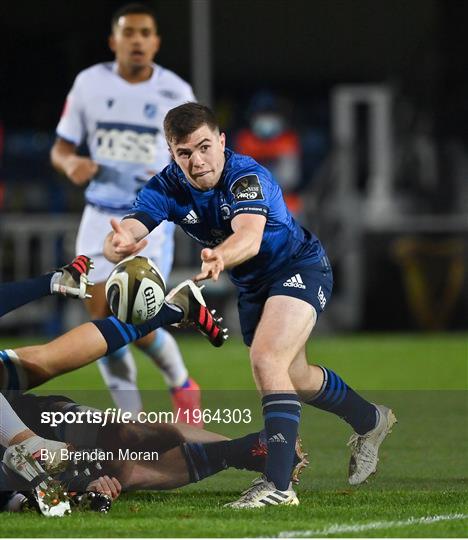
(421, 489)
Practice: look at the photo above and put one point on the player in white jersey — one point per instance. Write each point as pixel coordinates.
(118, 109)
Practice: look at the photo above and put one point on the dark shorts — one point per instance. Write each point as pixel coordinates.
(312, 283)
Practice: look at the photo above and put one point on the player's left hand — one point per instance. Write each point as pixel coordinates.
(212, 265)
(107, 485)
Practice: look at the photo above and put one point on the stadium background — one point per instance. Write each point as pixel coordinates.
(376, 92)
(400, 256)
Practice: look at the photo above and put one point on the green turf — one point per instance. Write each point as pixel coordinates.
(423, 470)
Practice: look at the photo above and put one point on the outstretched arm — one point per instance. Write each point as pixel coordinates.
(241, 246)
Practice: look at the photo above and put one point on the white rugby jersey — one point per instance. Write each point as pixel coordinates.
(123, 127)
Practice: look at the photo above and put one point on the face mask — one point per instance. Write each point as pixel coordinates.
(266, 126)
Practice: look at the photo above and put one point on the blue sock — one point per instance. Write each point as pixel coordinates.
(206, 459)
(281, 413)
(117, 333)
(337, 397)
(17, 293)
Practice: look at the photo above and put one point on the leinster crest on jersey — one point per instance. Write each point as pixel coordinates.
(247, 188)
(225, 211)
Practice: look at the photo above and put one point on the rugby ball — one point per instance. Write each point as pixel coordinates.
(135, 290)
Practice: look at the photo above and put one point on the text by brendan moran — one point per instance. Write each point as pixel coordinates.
(66, 454)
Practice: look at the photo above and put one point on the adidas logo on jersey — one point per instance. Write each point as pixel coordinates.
(191, 218)
(295, 281)
(279, 438)
(321, 297)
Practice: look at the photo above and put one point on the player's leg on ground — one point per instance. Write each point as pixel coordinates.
(323, 388)
(191, 462)
(284, 327)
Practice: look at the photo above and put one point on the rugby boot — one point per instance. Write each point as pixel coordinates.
(365, 448)
(264, 493)
(188, 297)
(93, 501)
(28, 460)
(300, 462)
(72, 279)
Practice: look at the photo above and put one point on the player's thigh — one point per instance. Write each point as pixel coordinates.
(284, 327)
(295, 298)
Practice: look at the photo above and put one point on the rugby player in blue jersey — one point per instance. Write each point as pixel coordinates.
(235, 209)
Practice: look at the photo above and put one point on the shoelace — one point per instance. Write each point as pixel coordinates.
(357, 444)
(249, 494)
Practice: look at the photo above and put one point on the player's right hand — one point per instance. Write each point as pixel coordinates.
(80, 169)
(123, 242)
(212, 265)
(107, 485)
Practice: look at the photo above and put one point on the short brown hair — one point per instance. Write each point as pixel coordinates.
(135, 8)
(183, 120)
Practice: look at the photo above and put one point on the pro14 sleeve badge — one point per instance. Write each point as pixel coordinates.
(247, 188)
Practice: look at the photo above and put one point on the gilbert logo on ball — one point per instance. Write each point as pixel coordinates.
(135, 290)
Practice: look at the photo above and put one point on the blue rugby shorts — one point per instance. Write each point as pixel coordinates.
(312, 283)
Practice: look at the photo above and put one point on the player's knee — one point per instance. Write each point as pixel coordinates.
(258, 359)
(264, 362)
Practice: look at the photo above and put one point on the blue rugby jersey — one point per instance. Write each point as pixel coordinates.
(244, 187)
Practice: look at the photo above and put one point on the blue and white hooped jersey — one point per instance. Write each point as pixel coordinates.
(245, 187)
(122, 124)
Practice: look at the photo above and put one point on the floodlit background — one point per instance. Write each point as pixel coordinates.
(359, 107)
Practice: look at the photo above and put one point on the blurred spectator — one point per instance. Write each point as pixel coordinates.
(273, 143)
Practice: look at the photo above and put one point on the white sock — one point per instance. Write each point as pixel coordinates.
(10, 423)
(120, 375)
(165, 353)
(54, 279)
